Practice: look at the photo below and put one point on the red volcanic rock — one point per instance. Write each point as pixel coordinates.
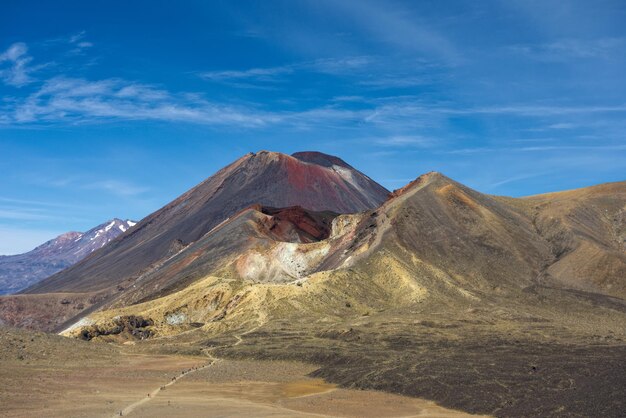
(310, 226)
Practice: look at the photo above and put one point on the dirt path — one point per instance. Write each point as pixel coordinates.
(130, 408)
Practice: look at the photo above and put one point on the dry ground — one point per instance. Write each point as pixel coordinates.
(46, 375)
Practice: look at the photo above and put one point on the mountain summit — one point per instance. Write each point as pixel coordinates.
(22, 270)
(311, 180)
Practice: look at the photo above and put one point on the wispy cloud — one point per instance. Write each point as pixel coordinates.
(72, 44)
(365, 71)
(394, 25)
(76, 100)
(14, 68)
(23, 214)
(116, 187)
(71, 100)
(79, 43)
(574, 147)
(258, 74)
(71, 183)
(339, 66)
(562, 125)
(543, 148)
(396, 81)
(564, 49)
(333, 66)
(29, 203)
(413, 114)
(26, 211)
(111, 186)
(415, 108)
(517, 178)
(405, 141)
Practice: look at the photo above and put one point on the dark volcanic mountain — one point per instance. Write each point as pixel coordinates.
(22, 270)
(311, 180)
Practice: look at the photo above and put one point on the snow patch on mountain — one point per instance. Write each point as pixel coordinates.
(22, 270)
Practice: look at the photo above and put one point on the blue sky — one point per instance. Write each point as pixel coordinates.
(112, 109)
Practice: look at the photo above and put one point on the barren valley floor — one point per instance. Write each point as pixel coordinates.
(43, 374)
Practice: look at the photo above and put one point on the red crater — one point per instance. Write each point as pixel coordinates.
(310, 226)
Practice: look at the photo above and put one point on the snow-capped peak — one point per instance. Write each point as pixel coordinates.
(126, 224)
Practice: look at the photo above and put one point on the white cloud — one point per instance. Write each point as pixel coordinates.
(76, 37)
(564, 49)
(116, 187)
(112, 186)
(80, 45)
(32, 210)
(339, 66)
(75, 100)
(259, 74)
(517, 178)
(528, 110)
(399, 28)
(364, 70)
(562, 125)
(29, 203)
(396, 81)
(405, 141)
(23, 214)
(334, 66)
(14, 69)
(64, 99)
(574, 148)
(542, 148)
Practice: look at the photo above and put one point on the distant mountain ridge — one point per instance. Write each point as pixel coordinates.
(22, 270)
